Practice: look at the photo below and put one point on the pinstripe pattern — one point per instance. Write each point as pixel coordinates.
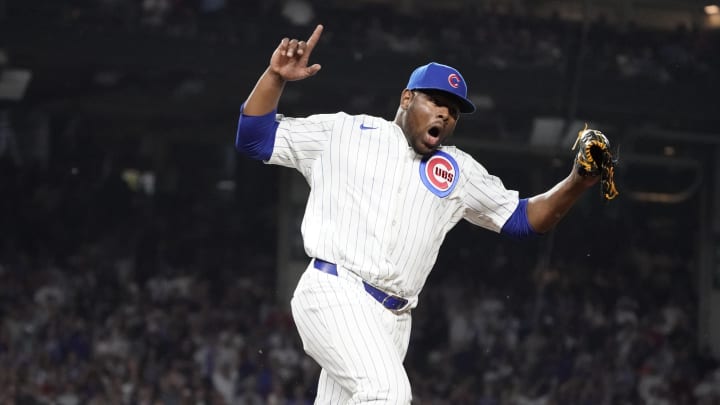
(358, 343)
(370, 213)
(368, 209)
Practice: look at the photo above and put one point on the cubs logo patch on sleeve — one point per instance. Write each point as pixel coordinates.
(439, 173)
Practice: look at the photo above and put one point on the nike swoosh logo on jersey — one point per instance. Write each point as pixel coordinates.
(362, 126)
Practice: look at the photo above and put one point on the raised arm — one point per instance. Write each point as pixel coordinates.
(289, 62)
(255, 135)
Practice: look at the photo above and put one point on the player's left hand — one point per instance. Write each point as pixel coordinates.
(594, 161)
(290, 58)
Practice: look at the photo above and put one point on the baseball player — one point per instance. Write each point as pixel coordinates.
(383, 195)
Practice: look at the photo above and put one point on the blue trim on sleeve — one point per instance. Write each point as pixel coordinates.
(517, 226)
(255, 135)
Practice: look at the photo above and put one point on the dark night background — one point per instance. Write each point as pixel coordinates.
(142, 258)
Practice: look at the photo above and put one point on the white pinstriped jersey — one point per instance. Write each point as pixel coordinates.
(369, 210)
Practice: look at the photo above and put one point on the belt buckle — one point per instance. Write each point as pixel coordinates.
(398, 299)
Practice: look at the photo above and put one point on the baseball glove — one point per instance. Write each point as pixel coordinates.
(595, 159)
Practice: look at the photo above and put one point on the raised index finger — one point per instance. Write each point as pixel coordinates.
(314, 38)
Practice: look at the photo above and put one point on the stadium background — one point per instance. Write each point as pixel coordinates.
(142, 261)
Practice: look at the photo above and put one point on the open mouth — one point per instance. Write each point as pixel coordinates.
(434, 131)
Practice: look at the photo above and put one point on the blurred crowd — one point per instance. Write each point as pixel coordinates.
(111, 296)
(480, 35)
(582, 329)
(112, 293)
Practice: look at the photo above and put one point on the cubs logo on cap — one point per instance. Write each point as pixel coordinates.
(436, 76)
(454, 80)
(439, 173)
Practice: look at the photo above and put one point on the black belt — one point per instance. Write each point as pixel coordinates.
(388, 301)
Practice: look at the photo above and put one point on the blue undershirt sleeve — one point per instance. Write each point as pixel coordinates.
(255, 135)
(517, 226)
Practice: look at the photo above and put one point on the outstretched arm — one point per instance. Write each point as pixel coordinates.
(545, 210)
(593, 162)
(289, 62)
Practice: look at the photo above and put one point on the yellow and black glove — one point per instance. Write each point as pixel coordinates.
(595, 159)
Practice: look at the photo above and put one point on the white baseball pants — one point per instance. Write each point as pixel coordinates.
(359, 344)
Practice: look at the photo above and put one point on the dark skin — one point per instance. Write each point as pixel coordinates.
(426, 118)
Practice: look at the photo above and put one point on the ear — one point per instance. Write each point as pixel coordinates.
(405, 98)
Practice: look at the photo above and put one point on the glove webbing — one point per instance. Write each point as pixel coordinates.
(607, 180)
(591, 156)
(605, 165)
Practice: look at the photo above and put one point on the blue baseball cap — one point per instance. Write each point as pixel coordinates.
(436, 76)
